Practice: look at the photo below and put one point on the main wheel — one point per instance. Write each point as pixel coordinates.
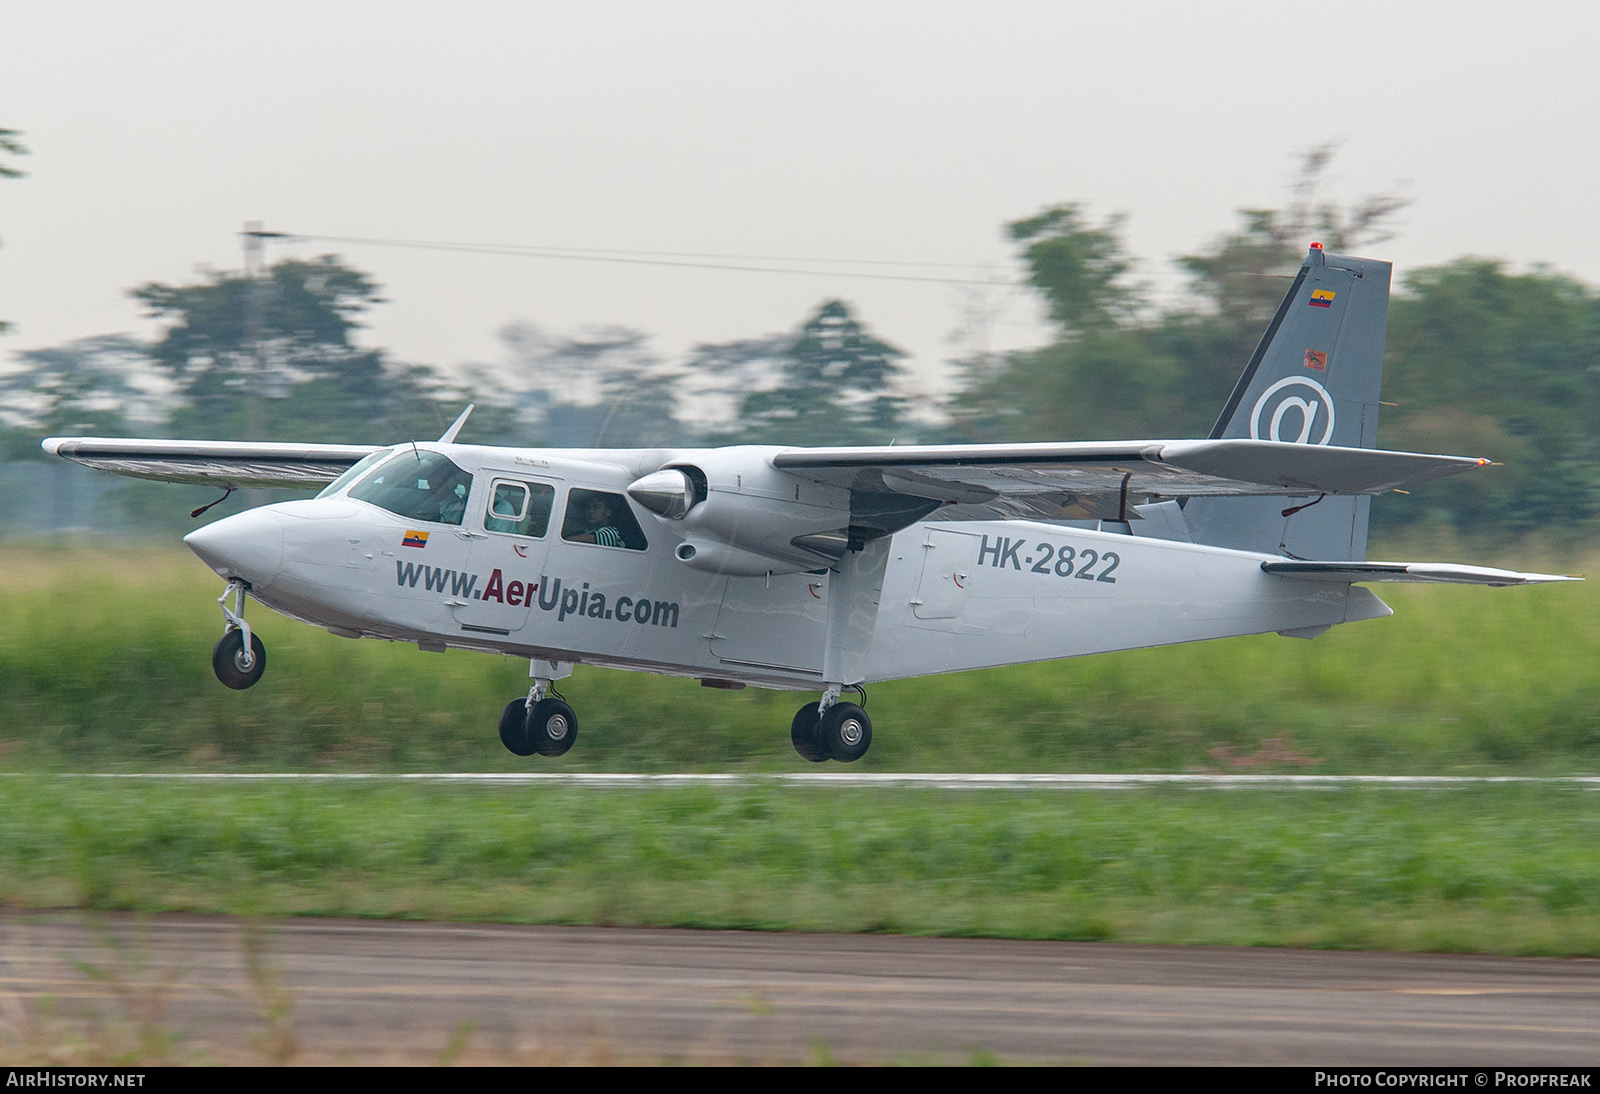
(235, 666)
(845, 732)
(552, 727)
(514, 728)
(803, 733)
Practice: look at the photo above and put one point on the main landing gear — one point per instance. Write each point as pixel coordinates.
(238, 658)
(842, 732)
(542, 722)
(547, 727)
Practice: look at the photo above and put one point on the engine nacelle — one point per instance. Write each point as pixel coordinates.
(740, 515)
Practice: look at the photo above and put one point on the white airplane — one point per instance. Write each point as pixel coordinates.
(826, 569)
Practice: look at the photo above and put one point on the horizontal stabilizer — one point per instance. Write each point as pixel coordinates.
(1445, 573)
(213, 463)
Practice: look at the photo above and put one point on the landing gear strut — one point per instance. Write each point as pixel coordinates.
(238, 658)
(829, 729)
(842, 732)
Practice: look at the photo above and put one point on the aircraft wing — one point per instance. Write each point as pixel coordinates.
(1103, 480)
(214, 463)
(1432, 572)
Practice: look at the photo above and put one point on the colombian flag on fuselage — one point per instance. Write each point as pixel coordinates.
(1322, 298)
(414, 539)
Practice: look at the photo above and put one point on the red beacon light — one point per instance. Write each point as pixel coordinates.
(1316, 246)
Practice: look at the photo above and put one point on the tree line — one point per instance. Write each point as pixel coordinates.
(1481, 360)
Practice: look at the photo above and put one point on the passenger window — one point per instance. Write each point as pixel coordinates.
(595, 516)
(520, 508)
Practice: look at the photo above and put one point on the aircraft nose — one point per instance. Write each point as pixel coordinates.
(248, 545)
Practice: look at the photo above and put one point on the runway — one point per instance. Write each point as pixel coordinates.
(329, 991)
(943, 780)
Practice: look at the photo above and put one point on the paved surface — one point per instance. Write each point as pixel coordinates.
(383, 992)
(941, 780)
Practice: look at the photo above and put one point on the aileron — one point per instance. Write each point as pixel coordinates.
(237, 463)
(1439, 573)
(1089, 481)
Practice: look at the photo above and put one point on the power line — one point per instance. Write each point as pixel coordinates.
(678, 259)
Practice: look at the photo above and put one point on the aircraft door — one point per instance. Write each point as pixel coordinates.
(508, 545)
(774, 622)
(948, 565)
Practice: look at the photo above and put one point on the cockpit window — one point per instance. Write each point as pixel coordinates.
(355, 471)
(521, 508)
(417, 485)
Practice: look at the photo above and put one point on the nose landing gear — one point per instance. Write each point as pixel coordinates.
(238, 658)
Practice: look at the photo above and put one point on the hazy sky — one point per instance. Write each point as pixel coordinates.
(908, 132)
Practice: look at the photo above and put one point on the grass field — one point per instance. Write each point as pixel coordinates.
(1507, 869)
(104, 666)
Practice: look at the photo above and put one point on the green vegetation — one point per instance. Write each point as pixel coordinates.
(1499, 868)
(1482, 359)
(105, 665)
(10, 143)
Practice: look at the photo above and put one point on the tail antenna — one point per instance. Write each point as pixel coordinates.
(450, 434)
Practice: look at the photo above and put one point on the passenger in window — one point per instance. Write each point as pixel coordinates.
(539, 505)
(504, 509)
(511, 498)
(601, 524)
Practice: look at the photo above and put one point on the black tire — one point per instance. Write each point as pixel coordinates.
(552, 727)
(232, 665)
(514, 728)
(846, 732)
(803, 733)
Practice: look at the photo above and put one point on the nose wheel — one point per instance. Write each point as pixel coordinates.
(238, 658)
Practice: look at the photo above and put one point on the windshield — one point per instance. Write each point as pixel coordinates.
(418, 485)
(355, 471)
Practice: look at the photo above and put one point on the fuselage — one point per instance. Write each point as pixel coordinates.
(499, 555)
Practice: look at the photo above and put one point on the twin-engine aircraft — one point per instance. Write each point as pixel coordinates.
(809, 569)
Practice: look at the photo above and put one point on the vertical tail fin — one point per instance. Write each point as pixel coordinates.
(1314, 379)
